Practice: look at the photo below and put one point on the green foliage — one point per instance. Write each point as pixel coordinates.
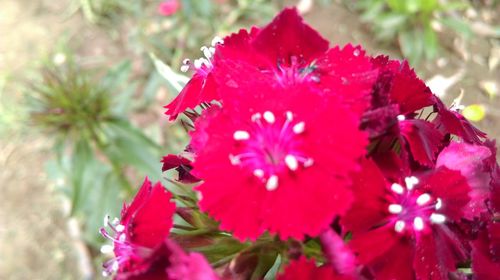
(97, 149)
(410, 23)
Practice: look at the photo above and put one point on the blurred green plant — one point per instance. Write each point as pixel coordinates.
(411, 23)
(97, 150)
(174, 37)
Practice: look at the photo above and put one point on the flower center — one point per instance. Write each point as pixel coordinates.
(126, 253)
(272, 146)
(295, 72)
(412, 210)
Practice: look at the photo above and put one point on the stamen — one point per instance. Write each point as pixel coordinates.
(291, 162)
(437, 218)
(395, 208)
(217, 40)
(439, 204)
(423, 199)
(107, 249)
(115, 266)
(399, 226)
(418, 223)
(411, 182)
(401, 117)
(289, 116)
(241, 135)
(258, 173)
(115, 221)
(256, 117)
(185, 68)
(106, 220)
(206, 52)
(235, 160)
(269, 117)
(120, 228)
(397, 188)
(272, 183)
(309, 162)
(299, 128)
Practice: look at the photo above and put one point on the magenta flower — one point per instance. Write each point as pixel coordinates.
(401, 230)
(274, 162)
(285, 52)
(141, 245)
(169, 7)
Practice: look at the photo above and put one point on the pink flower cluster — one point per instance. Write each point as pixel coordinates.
(302, 143)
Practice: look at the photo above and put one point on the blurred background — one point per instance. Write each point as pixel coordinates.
(82, 86)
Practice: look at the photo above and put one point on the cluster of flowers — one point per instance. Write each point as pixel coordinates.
(346, 164)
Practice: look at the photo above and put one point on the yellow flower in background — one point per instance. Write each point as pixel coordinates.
(474, 112)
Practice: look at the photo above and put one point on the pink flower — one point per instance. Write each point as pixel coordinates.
(272, 160)
(169, 7)
(402, 229)
(306, 269)
(141, 245)
(183, 167)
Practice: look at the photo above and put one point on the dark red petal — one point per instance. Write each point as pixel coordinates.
(423, 139)
(286, 36)
(484, 266)
(494, 237)
(306, 269)
(451, 187)
(368, 208)
(182, 165)
(409, 92)
(454, 123)
(139, 200)
(472, 162)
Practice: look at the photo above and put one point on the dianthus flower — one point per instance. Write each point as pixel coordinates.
(286, 51)
(400, 230)
(276, 159)
(141, 245)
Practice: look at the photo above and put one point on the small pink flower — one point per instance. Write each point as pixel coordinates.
(169, 7)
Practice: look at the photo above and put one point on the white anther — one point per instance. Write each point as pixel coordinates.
(291, 162)
(115, 266)
(122, 237)
(186, 61)
(411, 182)
(258, 173)
(115, 221)
(106, 220)
(256, 117)
(206, 52)
(185, 68)
(198, 63)
(423, 199)
(298, 128)
(397, 188)
(401, 117)
(107, 249)
(418, 223)
(234, 160)
(439, 204)
(437, 218)
(120, 228)
(105, 274)
(289, 116)
(399, 226)
(309, 162)
(395, 208)
(217, 40)
(269, 117)
(241, 135)
(212, 50)
(272, 183)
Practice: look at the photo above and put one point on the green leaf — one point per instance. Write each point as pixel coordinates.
(123, 101)
(411, 44)
(391, 21)
(118, 75)
(431, 44)
(177, 81)
(397, 5)
(429, 6)
(459, 25)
